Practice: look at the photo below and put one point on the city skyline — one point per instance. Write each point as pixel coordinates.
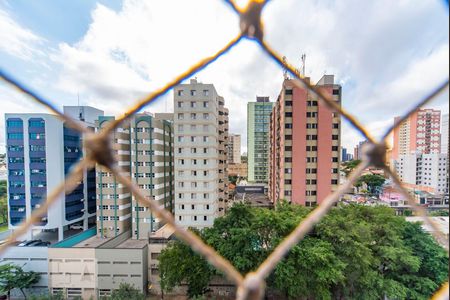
(111, 74)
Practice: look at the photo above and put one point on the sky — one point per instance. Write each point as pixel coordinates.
(386, 54)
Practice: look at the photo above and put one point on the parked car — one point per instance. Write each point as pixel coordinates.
(27, 243)
(76, 227)
(34, 243)
(41, 244)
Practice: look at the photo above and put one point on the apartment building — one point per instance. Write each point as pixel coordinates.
(151, 142)
(258, 125)
(444, 134)
(201, 138)
(358, 150)
(420, 133)
(41, 150)
(304, 144)
(234, 149)
(423, 171)
(144, 151)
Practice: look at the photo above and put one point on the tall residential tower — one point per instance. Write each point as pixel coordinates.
(258, 125)
(304, 144)
(420, 133)
(201, 138)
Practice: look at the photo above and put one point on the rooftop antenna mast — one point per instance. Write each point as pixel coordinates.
(285, 71)
(303, 57)
(80, 109)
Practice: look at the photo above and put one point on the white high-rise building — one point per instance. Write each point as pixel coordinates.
(201, 131)
(444, 134)
(41, 150)
(423, 170)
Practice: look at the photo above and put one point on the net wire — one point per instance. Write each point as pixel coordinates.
(100, 151)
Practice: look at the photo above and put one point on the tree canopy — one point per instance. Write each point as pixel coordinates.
(355, 252)
(373, 181)
(14, 277)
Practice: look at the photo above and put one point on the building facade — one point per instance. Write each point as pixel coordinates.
(234, 149)
(444, 134)
(420, 133)
(304, 144)
(41, 150)
(358, 150)
(201, 138)
(421, 171)
(144, 151)
(258, 125)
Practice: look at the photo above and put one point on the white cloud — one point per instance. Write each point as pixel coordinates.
(17, 40)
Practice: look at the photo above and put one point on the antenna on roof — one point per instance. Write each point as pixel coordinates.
(285, 71)
(303, 57)
(80, 112)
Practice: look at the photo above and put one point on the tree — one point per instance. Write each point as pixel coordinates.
(178, 263)
(14, 277)
(3, 210)
(355, 252)
(349, 166)
(373, 181)
(2, 188)
(126, 291)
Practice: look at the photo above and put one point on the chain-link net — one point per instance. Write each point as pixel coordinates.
(251, 286)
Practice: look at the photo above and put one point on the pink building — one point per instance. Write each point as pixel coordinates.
(420, 133)
(304, 144)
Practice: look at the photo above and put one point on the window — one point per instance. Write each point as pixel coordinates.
(288, 103)
(205, 93)
(288, 125)
(288, 137)
(205, 116)
(193, 92)
(287, 148)
(311, 125)
(180, 116)
(312, 137)
(311, 114)
(287, 181)
(335, 125)
(15, 136)
(288, 171)
(193, 104)
(193, 116)
(335, 148)
(288, 114)
(205, 218)
(335, 137)
(180, 92)
(205, 104)
(205, 139)
(14, 123)
(193, 139)
(180, 104)
(193, 150)
(288, 159)
(334, 181)
(180, 127)
(37, 136)
(288, 92)
(335, 159)
(336, 92)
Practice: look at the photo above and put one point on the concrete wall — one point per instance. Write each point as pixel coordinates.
(30, 259)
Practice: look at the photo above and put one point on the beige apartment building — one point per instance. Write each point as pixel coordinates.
(144, 151)
(151, 145)
(201, 137)
(114, 199)
(234, 149)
